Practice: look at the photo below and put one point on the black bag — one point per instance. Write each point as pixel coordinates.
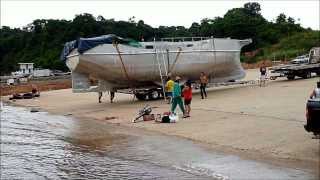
(165, 119)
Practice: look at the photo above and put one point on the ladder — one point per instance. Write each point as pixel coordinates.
(160, 58)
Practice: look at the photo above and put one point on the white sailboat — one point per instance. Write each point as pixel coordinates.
(119, 63)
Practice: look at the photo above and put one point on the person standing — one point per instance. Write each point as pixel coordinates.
(187, 94)
(203, 85)
(176, 97)
(316, 92)
(263, 74)
(112, 94)
(99, 96)
(35, 91)
(169, 89)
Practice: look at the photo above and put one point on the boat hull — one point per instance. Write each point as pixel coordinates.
(220, 59)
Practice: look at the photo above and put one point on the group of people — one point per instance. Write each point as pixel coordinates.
(175, 92)
(29, 95)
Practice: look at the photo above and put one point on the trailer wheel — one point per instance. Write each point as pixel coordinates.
(291, 77)
(154, 95)
(273, 78)
(141, 96)
(307, 75)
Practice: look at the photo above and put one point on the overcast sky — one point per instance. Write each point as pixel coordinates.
(20, 13)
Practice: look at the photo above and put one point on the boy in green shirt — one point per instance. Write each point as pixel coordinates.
(176, 97)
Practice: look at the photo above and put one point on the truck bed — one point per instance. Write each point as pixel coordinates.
(295, 67)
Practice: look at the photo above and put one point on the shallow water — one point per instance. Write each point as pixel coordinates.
(43, 146)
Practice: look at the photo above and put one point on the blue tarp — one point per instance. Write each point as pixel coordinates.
(84, 44)
(68, 47)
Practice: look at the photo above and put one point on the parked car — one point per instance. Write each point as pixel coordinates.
(313, 116)
(313, 112)
(60, 73)
(42, 73)
(304, 59)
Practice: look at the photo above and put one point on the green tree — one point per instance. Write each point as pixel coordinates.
(42, 40)
(253, 8)
(281, 19)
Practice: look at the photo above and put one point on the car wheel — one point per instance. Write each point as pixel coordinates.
(290, 77)
(154, 95)
(140, 96)
(307, 75)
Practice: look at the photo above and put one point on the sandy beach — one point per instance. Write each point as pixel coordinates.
(261, 123)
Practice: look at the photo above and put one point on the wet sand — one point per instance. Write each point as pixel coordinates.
(42, 145)
(257, 123)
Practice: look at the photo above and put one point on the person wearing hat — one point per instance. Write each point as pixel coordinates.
(176, 97)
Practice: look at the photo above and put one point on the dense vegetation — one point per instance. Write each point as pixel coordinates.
(286, 48)
(42, 41)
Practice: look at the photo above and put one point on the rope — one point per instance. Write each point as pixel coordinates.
(115, 44)
(175, 61)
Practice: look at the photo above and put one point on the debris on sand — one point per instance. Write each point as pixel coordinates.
(34, 110)
(146, 110)
(110, 118)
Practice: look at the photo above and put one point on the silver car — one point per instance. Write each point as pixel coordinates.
(304, 59)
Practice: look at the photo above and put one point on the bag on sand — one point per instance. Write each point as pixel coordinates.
(165, 119)
(169, 117)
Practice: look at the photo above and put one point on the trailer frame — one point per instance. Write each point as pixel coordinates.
(291, 71)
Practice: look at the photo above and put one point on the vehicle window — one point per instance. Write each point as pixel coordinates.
(312, 53)
(149, 46)
(189, 45)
